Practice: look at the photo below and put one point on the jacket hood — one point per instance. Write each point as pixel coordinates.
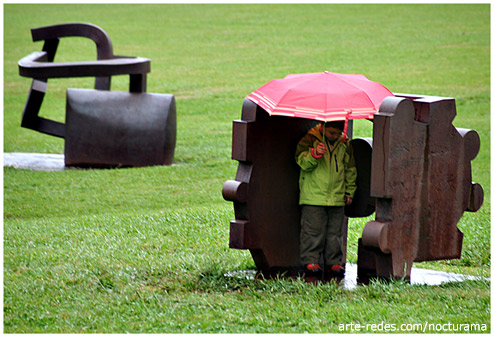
(317, 132)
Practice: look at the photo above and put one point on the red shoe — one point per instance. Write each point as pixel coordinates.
(313, 268)
(336, 269)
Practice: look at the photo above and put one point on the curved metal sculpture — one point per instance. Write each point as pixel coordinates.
(40, 67)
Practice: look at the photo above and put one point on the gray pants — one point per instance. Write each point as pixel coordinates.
(322, 232)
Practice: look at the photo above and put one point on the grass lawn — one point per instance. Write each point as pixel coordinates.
(146, 249)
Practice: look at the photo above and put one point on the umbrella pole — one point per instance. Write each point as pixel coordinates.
(324, 133)
(345, 129)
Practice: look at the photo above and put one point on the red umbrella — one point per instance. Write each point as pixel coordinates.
(323, 96)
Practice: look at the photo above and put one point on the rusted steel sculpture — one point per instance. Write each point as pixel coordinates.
(102, 128)
(415, 174)
(422, 182)
(265, 192)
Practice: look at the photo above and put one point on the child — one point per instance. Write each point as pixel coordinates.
(327, 183)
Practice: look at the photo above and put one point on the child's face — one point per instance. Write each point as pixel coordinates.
(333, 133)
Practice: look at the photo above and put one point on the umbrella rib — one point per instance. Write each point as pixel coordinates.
(362, 89)
(351, 85)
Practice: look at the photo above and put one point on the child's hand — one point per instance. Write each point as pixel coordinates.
(348, 201)
(321, 149)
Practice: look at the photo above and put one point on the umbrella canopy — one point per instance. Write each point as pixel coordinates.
(323, 96)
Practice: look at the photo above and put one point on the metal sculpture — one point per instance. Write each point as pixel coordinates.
(415, 174)
(265, 192)
(102, 128)
(422, 182)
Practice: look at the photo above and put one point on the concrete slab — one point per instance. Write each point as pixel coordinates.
(35, 161)
(418, 276)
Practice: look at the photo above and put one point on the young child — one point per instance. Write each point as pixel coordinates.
(327, 183)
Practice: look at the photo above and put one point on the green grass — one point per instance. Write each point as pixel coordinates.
(146, 249)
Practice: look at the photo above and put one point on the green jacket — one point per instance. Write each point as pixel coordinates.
(327, 180)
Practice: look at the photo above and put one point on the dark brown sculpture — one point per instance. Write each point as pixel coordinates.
(415, 173)
(422, 181)
(155, 131)
(265, 192)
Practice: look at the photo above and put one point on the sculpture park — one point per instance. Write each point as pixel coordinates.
(150, 186)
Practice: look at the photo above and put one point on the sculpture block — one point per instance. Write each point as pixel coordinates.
(108, 127)
(422, 182)
(265, 192)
